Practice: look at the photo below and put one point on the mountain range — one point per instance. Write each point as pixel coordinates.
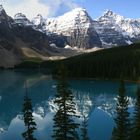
(108, 30)
(73, 33)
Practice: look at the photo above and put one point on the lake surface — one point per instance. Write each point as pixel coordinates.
(95, 99)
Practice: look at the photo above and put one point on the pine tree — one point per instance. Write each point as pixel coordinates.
(64, 125)
(122, 128)
(84, 129)
(28, 119)
(136, 125)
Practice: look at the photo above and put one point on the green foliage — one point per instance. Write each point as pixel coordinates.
(64, 125)
(84, 129)
(136, 123)
(30, 63)
(122, 128)
(110, 63)
(28, 120)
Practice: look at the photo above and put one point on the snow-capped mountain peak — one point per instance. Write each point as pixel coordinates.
(78, 15)
(1, 8)
(76, 22)
(114, 29)
(2, 12)
(111, 17)
(111, 29)
(21, 19)
(108, 12)
(69, 21)
(38, 20)
(19, 16)
(4, 18)
(78, 12)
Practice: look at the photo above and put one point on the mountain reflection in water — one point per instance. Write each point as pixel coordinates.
(94, 99)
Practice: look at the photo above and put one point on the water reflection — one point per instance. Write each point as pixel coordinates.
(122, 121)
(65, 120)
(28, 118)
(95, 99)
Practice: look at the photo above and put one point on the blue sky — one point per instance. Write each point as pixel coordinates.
(49, 8)
(127, 8)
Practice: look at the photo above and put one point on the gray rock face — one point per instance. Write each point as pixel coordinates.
(14, 39)
(4, 18)
(22, 20)
(115, 30)
(38, 22)
(109, 36)
(77, 29)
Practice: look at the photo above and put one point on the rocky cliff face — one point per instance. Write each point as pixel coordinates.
(75, 27)
(78, 29)
(9, 54)
(115, 30)
(22, 20)
(38, 22)
(4, 18)
(16, 38)
(21, 38)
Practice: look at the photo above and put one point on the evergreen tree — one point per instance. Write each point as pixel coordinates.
(28, 119)
(84, 129)
(64, 125)
(136, 125)
(122, 128)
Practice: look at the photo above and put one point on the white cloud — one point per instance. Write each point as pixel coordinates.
(29, 7)
(33, 7)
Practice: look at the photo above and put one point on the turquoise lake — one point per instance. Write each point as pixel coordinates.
(95, 99)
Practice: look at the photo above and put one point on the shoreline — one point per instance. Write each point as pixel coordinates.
(79, 78)
(117, 80)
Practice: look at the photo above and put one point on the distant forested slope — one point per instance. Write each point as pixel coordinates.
(113, 63)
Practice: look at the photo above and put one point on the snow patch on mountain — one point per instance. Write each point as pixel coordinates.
(66, 23)
(115, 30)
(38, 20)
(21, 19)
(129, 42)
(109, 30)
(123, 28)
